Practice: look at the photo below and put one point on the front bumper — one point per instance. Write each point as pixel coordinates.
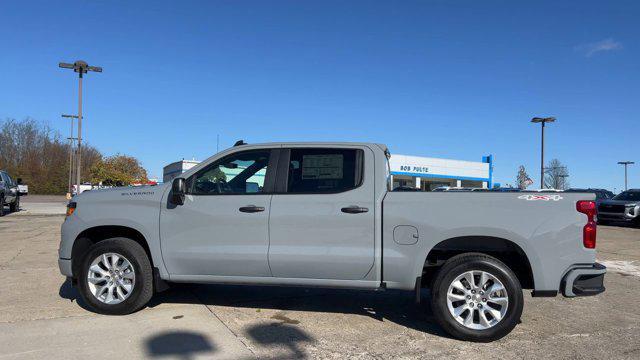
(629, 215)
(65, 267)
(584, 280)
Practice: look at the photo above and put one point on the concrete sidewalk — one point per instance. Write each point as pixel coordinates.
(42, 205)
(185, 331)
(41, 315)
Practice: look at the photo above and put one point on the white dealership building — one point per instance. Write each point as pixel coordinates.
(424, 173)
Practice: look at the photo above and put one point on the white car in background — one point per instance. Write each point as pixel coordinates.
(23, 189)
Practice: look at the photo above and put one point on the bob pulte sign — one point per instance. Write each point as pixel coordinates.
(414, 169)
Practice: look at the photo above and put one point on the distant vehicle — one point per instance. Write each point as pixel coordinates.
(83, 187)
(23, 189)
(406, 188)
(506, 189)
(601, 194)
(9, 194)
(546, 190)
(451, 188)
(322, 217)
(624, 207)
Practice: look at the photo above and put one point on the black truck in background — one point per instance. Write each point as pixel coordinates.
(9, 193)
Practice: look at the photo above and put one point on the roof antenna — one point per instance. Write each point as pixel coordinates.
(239, 142)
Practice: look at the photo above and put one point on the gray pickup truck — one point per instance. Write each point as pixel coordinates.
(322, 214)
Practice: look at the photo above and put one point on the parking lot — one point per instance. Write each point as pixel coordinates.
(42, 316)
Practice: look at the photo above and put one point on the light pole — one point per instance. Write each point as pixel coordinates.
(542, 121)
(71, 139)
(81, 67)
(625, 163)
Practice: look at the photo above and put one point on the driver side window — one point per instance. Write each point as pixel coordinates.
(240, 173)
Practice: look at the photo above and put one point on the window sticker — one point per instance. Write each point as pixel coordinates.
(318, 167)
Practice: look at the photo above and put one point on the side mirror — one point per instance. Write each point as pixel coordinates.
(178, 189)
(19, 181)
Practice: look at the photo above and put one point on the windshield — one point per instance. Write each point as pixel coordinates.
(628, 196)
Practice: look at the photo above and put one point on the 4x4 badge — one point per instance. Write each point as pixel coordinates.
(532, 197)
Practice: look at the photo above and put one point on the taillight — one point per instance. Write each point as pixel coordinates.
(589, 231)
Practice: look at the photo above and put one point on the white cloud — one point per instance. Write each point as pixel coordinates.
(599, 46)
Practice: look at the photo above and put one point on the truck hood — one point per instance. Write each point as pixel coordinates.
(128, 193)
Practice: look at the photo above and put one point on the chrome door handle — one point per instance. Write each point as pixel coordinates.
(354, 209)
(251, 209)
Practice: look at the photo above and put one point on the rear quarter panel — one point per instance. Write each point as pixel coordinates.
(549, 232)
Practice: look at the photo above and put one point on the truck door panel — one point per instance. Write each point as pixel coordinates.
(222, 227)
(322, 227)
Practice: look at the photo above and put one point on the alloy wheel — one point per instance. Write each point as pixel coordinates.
(111, 278)
(477, 300)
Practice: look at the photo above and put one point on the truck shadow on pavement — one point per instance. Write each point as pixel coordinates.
(281, 331)
(395, 306)
(179, 344)
(69, 292)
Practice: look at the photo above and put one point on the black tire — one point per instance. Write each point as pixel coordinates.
(143, 283)
(603, 222)
(15, 206)
(456, 266)
(1, 205)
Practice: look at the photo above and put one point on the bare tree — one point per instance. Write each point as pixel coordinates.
(556, 175)
(32, 151)
(523, 180)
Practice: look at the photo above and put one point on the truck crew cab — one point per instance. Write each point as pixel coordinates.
(322, 214)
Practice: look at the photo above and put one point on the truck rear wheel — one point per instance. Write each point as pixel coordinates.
(116, 277)
(476, 297)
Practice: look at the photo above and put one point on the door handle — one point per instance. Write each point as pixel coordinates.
(354, 209)
(251, 209)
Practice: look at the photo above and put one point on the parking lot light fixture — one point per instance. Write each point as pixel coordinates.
(625, 163)
(81, 67)
(542, 121)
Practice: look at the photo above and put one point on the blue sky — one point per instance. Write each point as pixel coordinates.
(454, 79)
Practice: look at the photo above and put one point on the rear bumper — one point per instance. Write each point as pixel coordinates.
(584, 280)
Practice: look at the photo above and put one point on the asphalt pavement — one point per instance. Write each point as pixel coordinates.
(41, 315)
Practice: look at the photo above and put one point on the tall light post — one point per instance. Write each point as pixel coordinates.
(625, 163)
(71, 140)
(542, 121)
(81, 67)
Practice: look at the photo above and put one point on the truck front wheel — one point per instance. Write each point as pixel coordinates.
(116, 277)
(476, 297)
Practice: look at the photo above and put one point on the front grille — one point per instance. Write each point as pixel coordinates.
(611, 208)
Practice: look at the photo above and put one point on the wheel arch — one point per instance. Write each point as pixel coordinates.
(96, 234)
(503, 249)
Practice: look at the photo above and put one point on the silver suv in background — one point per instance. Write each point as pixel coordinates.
(623, 207)
(9, 194)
